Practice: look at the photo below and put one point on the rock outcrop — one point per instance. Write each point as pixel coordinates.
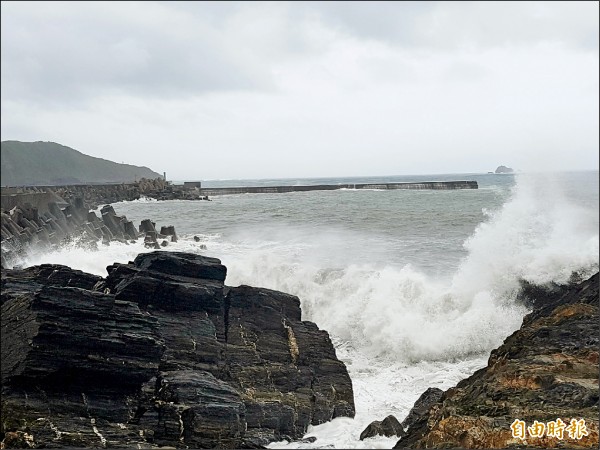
(160, 353)
(539, 389)
(386, 427)
(421, 406)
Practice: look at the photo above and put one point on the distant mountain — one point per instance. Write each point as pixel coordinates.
(48, 163)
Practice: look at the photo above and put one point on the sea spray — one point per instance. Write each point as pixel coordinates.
(538, 235)
(95, 261)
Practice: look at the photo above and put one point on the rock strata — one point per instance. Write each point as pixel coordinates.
(160, 353)
(545, 371)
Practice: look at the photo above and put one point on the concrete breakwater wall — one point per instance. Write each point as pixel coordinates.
(39, 200)
(92, 195)
(95, 195)
(437, 185)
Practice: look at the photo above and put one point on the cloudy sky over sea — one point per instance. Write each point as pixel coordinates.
(207, 90)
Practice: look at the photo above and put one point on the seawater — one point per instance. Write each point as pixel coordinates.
(415, 287)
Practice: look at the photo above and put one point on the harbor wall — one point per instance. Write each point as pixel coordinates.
(437, 185)
(94, 195)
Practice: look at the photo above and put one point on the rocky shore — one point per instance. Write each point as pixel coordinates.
(539, 389)
(160, 353)
(25, 229)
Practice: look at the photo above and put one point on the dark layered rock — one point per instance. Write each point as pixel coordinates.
(182, 265)
(546, 370)
(160, 353)
(421, 406)
(386, 427)
(72, 361)
(47, 275)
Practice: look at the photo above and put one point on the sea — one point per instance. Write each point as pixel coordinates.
(415, 287)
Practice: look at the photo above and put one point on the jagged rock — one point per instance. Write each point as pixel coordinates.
(421, 406)
(546, 370)
(386, 427)
(182, 264)
(50, 275)
(161, 353)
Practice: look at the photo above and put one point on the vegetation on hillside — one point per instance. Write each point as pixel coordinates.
(48, 163)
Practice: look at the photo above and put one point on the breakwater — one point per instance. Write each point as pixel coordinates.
(437, 185)
(93, 195)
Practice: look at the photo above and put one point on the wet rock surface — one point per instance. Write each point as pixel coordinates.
(421, 406)
(386, 427)
(546, 370)
(160, 353)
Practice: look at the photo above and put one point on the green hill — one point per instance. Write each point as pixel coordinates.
(48, 163)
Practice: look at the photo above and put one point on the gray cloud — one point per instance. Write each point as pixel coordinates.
(446, 25)
(93, 50)
(68, 52)
(239, 89)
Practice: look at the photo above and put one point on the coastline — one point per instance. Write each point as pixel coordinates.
(64, 213)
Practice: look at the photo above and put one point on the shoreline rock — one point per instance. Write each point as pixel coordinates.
(546, 370)
(386, 427)
(160, 353)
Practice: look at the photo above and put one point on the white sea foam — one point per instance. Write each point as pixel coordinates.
(403, 313)
(540, 235)
(95, 262)
(144, 200)
(393, 315)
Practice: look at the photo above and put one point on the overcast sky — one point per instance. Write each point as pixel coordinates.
(272, 90)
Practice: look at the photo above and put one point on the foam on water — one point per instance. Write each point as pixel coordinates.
(95, 262)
